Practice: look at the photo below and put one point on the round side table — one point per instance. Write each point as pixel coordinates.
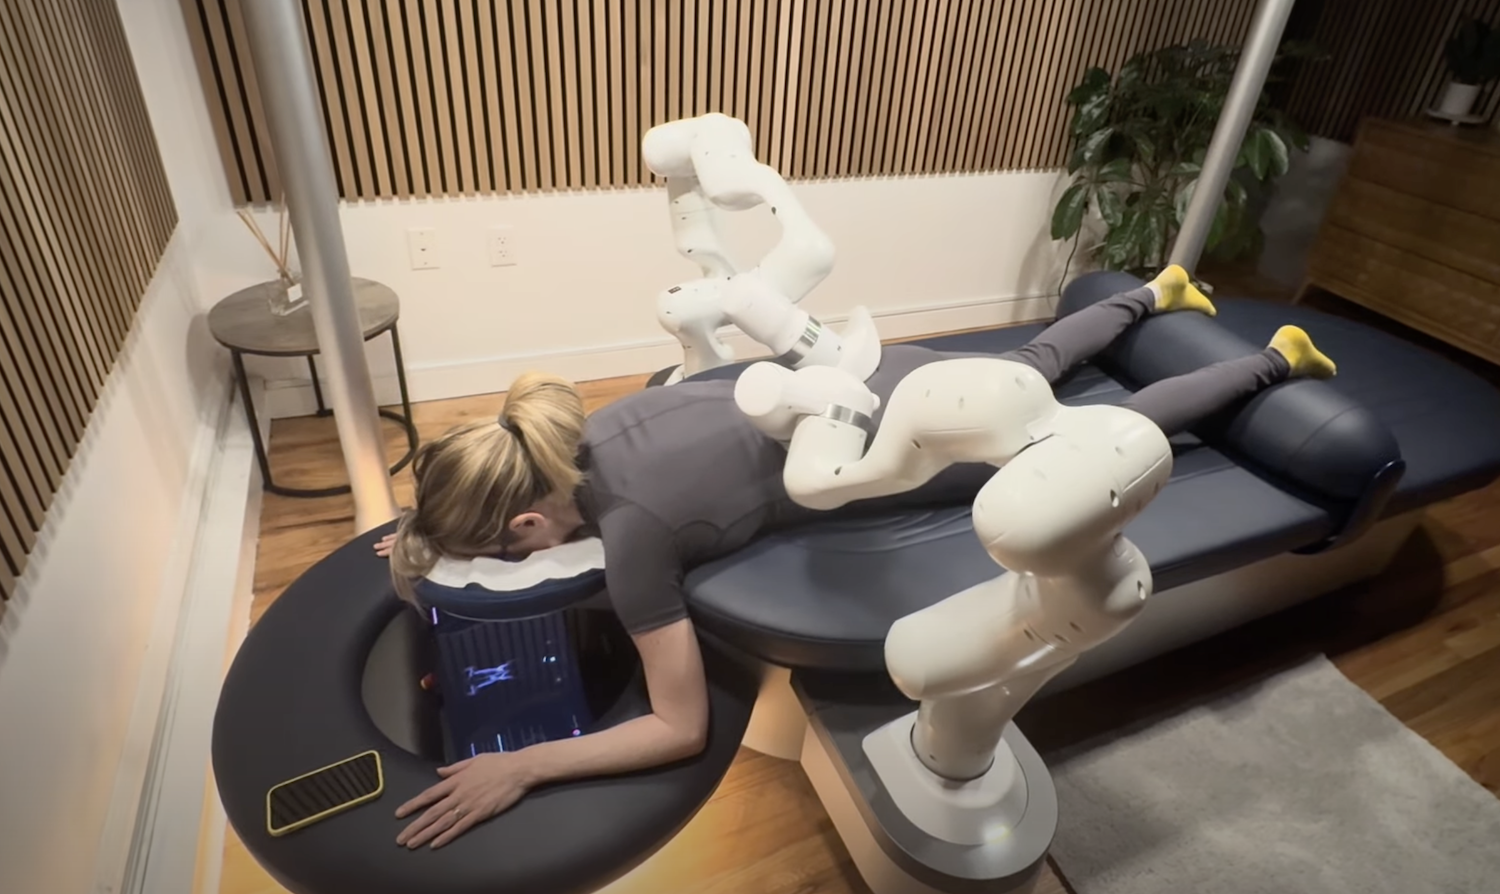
(244, 324)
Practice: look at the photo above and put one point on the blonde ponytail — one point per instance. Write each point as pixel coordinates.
(473, 480)
(546, 413)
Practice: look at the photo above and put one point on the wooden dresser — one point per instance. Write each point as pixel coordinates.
(1413, 232)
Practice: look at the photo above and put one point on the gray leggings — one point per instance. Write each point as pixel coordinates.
(1174, 404)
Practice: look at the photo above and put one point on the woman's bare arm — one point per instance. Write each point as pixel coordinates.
(676, 727)
(476, 789)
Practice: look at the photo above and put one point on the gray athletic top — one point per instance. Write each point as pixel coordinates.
(677, 476)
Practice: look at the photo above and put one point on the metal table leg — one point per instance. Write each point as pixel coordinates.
(403, 418)
(406, 419)
(312, 371)
(260, 447)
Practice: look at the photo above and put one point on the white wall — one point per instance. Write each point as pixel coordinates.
(111, 562)
(73, 639)
(925, 254)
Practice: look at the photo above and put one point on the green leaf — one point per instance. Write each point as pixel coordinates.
(1075, 160)
(1111, 207)
(1145, 149)
(1220, 225)
(1118, 247)
(1115, 171)
(1253, 154)
(1094, 145)
(1275, 151)
(1067, 217)
(1184, 198)
(1234, 193)
(1229, 214)
(1095, 81)
(1289, 131)
(1185, 169)
(1153, 225)
(1091, 114)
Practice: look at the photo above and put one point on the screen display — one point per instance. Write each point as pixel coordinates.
(304, 800)
(509, 684)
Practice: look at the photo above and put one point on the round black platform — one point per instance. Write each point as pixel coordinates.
(292, 703)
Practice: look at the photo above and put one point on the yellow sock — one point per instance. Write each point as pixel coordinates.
(1175, 291)
(1301, 354)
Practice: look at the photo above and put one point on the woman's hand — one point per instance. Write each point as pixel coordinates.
(383, 548)
(471, 792)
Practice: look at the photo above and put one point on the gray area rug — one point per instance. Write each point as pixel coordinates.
(1300, 783)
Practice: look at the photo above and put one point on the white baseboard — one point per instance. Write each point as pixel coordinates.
(161, 789)
(439, 381)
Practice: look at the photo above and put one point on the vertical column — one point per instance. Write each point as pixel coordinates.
(1239, 106)
(284, 68)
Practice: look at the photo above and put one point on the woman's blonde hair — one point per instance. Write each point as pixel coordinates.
(473, 480)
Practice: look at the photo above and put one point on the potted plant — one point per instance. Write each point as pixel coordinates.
(1140, 138)
(1473, 54)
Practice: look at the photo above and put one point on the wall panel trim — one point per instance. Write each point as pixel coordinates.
(85, 215)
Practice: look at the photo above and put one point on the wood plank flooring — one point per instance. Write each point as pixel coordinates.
(1424, 639)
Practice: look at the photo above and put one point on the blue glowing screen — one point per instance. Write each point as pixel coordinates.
(509, 684)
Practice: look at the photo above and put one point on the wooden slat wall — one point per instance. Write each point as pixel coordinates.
(1387, 61)
(452, 97)
(85, 214)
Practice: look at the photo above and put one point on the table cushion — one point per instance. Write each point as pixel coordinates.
(824, 595)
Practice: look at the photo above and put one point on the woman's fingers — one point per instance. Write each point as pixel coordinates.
(434, 822)
(462, 824)
(435, 793)
(454, 768)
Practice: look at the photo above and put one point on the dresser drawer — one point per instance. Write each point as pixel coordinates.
(1441, 169)
(1433, 297)
(1466, 242)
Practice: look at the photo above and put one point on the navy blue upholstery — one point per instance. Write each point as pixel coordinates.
(1306, 433)
(823, 596)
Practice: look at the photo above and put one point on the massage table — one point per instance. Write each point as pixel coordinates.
(1281, 500)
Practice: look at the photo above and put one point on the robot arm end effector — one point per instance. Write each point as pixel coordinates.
(778, 400)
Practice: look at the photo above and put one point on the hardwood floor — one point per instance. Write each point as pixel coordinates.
(1424, 639)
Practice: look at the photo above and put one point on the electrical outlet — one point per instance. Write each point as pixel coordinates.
(422, 243)
(502, 246)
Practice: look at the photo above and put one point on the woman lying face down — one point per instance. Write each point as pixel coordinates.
(509, 488)
(671, 478)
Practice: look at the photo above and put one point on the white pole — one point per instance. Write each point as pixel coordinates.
(284, 68)
(1224, 148)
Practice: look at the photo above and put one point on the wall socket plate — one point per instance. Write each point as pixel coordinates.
(421, 243)
(502, 246)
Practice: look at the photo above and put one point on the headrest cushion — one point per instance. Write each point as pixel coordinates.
(493, 589)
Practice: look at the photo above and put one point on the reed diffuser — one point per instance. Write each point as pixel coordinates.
(287, 298)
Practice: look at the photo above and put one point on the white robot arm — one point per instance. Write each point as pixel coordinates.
(1068, 481)
(709, 162)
